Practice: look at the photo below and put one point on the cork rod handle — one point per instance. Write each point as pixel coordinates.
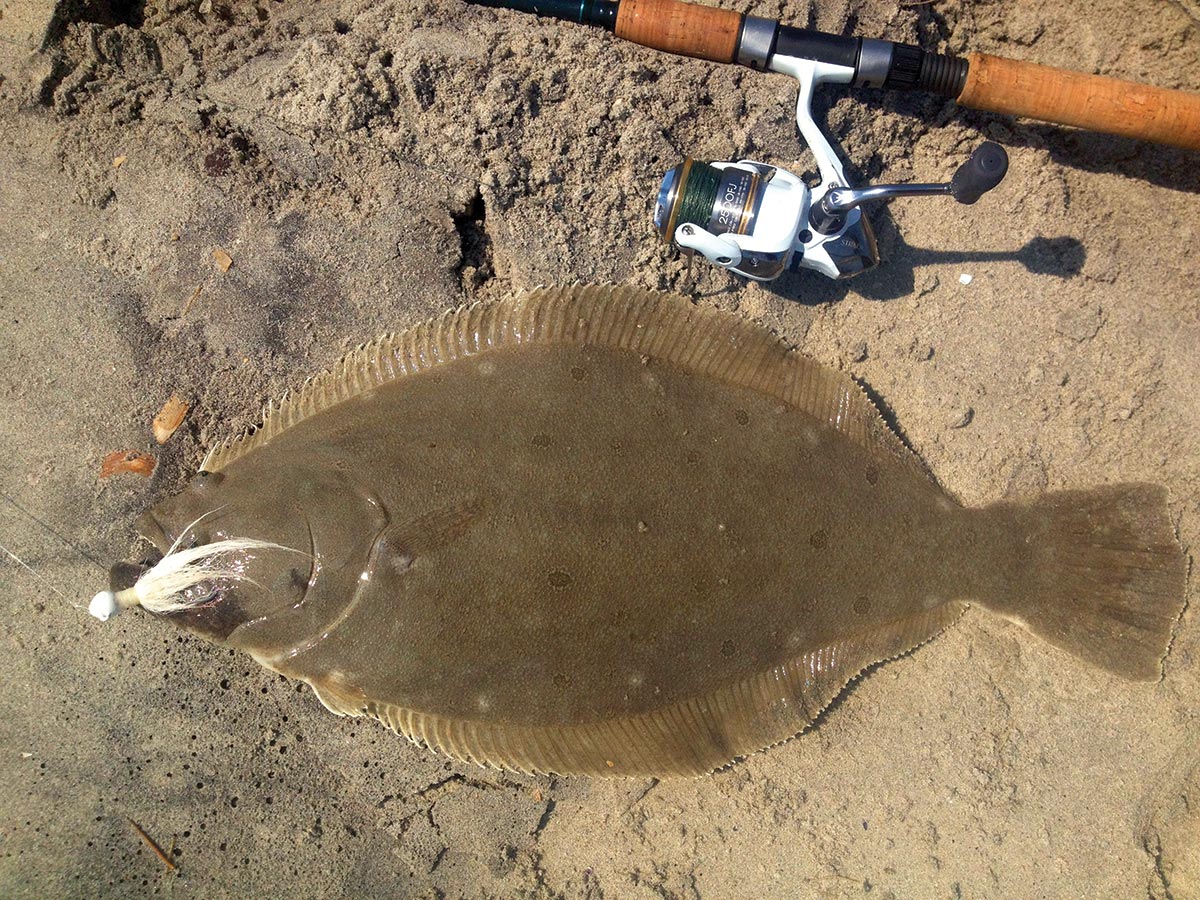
(1093, 102)
(683, 28)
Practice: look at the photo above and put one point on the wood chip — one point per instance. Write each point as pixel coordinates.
(223, 259)
(169, 418)
(127, 461)
(119, 161)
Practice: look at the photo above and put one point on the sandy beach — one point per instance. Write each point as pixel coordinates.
(217, 199)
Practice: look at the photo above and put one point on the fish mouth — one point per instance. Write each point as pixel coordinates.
(152, 530)
(125, 574)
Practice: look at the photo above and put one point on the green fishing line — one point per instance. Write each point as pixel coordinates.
(699, 194)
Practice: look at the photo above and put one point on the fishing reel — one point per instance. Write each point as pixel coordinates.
(758, 220)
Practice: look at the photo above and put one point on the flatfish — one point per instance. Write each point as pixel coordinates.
(602, 530)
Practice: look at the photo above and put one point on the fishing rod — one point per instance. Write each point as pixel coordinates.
(759, 220)
(979, 81)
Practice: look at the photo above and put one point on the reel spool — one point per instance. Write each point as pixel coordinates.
(742, 216)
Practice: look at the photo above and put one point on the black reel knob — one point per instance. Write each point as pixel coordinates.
(979, 174)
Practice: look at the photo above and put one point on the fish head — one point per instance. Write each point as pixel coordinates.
(269, 576)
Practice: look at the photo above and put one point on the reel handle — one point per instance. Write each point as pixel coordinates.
(984, 170)
(1093, 102)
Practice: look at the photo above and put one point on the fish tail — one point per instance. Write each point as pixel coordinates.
(1098, 573)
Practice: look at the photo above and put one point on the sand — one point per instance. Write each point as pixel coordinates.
(368, 164)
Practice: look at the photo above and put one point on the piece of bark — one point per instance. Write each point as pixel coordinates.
(169, 418)
(127, 461)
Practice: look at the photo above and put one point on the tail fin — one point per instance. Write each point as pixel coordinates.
(1099, 573)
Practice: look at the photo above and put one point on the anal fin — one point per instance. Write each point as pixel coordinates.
(693, 737)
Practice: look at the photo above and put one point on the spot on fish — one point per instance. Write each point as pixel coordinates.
(819, 538)
(579, 373)
(541, 441)
(742, 417)
(559, 579)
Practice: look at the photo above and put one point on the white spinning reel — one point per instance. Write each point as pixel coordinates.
(758, 220)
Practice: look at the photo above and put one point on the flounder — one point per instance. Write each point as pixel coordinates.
(607, 531)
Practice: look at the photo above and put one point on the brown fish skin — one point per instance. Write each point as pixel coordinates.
(603, 531)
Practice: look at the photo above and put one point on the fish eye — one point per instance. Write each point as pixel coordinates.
(207, 480)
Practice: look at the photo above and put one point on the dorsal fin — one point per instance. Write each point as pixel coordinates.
(664, 327)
